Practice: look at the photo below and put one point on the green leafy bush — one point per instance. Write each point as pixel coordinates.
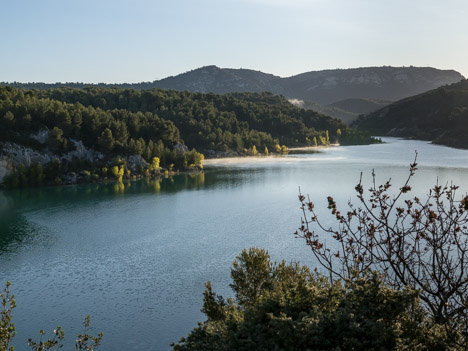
(280, 306)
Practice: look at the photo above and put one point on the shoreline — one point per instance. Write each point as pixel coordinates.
(132, 178)
(318, 147)
(212, 160)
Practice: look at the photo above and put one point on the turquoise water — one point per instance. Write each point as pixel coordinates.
(136, 256)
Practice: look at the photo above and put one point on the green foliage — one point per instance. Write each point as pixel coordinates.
(439, 115)
(105, 130)
(150, 123)
(53, 173)
(26, 176)
(86, 341)
(83, 341)
(281, 306)
(254, 151)
(118, 172)
(7, 328)
(418, 244)
(53, 344)
(8, 119)
(194, 158)
(106, 140)
(209, 121)
(56, 140)
(155, 163)
(205, 121)
(251, 275)
(59, 172)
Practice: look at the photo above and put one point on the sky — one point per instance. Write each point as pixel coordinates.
(116, 41)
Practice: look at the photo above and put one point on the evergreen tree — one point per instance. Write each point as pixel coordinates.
(55, 137)
(9, 119)
(106, 141)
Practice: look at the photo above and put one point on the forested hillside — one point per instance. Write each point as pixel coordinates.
(235, 122)
(319, 90)
(157, 126)
(323, 87)
(440, 115)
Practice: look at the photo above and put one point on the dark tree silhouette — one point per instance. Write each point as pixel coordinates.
(416, 244)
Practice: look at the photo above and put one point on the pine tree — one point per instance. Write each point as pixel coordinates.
(55, 137)
(106, 141)
(9, 119)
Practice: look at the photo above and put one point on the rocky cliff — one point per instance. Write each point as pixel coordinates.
(12, 155)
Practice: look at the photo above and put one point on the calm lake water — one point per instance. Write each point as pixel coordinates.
(136, 256)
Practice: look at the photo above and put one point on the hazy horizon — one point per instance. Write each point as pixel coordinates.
(139, 41)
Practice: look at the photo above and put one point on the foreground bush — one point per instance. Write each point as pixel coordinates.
(279, 306)
(418, 244)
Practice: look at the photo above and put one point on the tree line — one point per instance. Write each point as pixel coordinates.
(156, 123)
(234, 121)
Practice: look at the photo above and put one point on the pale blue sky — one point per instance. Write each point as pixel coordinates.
(143, 40)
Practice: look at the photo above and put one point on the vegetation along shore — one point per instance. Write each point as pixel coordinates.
(65, 135)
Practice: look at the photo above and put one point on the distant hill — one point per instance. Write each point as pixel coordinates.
(346, 116)
(338, 87)
(439, 115)
(323, 87)
(347, 110)
(360, 106)
(212, 79)
(385, 83)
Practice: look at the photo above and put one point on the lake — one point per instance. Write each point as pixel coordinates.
(135, 256)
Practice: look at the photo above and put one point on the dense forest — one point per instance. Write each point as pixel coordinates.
(158, 126)
(234, 121)
(440, 115)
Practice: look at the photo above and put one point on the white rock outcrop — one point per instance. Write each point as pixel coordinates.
(14, 155)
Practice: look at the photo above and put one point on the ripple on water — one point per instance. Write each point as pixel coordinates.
(136, 259)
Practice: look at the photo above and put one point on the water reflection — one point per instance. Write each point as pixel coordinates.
(135, 254)
(17, 203)
(15, 230)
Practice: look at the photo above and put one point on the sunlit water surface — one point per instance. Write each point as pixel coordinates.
(136, 256)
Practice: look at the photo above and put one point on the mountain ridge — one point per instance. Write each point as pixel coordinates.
(226, 80)
(319, 89)
(439, 115)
